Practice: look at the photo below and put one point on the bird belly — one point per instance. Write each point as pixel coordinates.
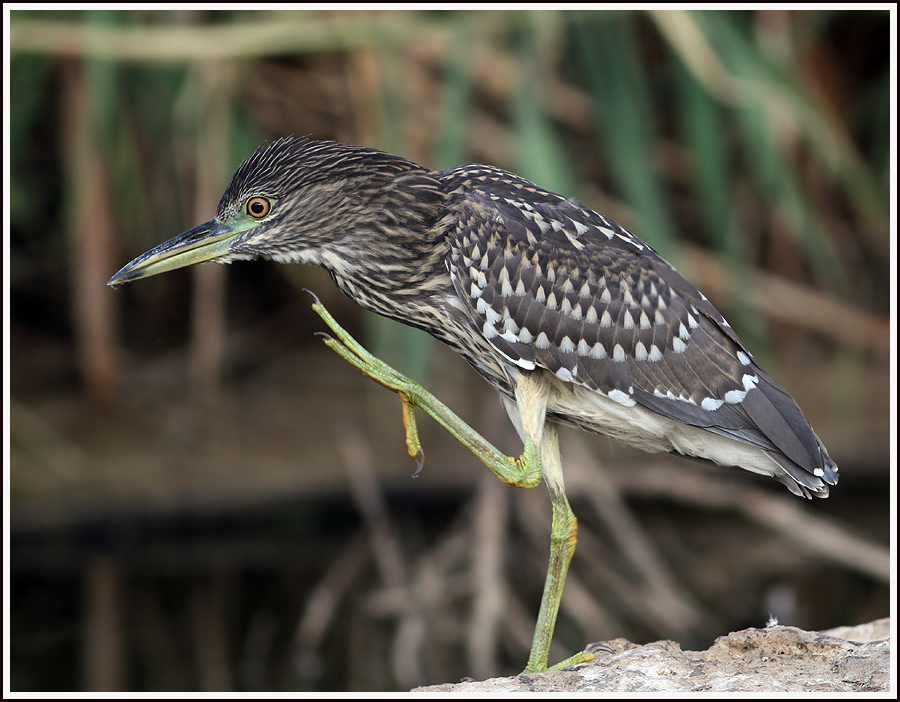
(650, 431)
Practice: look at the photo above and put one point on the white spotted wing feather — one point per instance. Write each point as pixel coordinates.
(553, 285)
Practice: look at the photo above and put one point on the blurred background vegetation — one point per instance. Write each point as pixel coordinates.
(204, 498)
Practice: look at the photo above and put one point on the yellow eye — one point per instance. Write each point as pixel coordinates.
(258, 207)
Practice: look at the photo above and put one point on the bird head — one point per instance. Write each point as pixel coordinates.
(292, 201)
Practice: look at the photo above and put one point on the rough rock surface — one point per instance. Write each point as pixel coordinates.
(774, 659)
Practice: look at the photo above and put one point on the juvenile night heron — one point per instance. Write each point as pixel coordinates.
(570, 317)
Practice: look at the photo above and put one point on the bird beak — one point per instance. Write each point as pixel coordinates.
(205, 242)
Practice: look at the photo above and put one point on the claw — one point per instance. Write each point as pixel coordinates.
(315, 297)
(324, 335)
(420, 463)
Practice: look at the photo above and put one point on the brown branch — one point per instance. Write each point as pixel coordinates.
(790, 302)
(784, 515)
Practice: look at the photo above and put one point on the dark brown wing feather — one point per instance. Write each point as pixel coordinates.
(552, 284)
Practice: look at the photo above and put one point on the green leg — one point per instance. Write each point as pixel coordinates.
(562, 547)
(524, 471)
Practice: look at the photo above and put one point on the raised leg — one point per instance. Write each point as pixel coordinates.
(540, 459)
(524, 471)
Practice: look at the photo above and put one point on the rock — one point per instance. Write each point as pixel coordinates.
(774, 659)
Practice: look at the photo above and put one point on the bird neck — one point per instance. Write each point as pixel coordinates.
(390, 257)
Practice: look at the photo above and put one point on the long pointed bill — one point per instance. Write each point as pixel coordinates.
(202, 243)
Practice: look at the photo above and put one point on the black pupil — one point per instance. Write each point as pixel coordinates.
(257, 207)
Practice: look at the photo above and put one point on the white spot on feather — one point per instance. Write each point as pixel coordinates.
(576, 312)
(640, 351)
(631, 240)
(566, 345)
(510, 327)
(622, 398)
(567, 375)
(735, 397)
(573, 239)
(551, 301)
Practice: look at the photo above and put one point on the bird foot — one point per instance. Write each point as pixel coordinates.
(524, 471)
(578, 658)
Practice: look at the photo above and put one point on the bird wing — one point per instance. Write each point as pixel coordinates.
(553, 284)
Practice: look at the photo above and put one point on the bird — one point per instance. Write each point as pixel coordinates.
(570, 317)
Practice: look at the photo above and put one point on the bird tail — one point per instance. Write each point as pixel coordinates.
(807, 468)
